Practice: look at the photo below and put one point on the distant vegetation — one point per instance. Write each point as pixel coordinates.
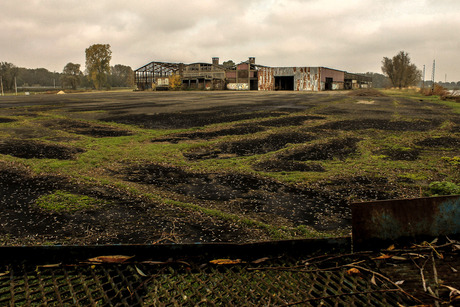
(398, 72)
(99, 75)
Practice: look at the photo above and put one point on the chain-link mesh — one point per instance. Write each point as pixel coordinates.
(190, 284)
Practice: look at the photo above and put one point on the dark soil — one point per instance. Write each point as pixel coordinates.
(124, 219)
(287, 166)
(300, 206)
(6, 120)
(28, 149)
(381, 124)
(206, 135)
(288, 121)
(445, 141)
(192, 119)
(366, 93)
(251, 146)
(239, 129)
(266, 144)
(338, 148)
(397, 154)
(84, 128)
(362, 188)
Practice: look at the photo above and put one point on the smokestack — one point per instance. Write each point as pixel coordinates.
(215, 61)
(252, 60)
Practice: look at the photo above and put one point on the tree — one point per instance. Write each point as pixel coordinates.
(71, 75)
(175, 82)
(400, 70)
(228, 64)
(98, 58)
(122, 76)
(8, 72)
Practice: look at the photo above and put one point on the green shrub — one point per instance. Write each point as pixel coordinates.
(443, 188)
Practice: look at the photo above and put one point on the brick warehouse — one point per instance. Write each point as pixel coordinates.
(247, 75)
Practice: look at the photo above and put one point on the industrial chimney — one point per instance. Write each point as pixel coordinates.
(215, 61)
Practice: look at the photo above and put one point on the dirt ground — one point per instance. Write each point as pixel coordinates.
(210, 166)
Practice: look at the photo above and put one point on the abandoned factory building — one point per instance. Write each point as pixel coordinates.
(247, 75)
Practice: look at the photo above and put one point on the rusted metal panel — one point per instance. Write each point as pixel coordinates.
(266, 79)
(284, 71)
(378, 221)
(306, 79)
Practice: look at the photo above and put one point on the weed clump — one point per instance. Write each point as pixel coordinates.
(437, 188)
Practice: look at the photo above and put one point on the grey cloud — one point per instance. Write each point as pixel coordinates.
(351, 35)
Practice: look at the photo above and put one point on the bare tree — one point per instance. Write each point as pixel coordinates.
(400, 70)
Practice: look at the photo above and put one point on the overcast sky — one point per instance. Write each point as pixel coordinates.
(351, 35)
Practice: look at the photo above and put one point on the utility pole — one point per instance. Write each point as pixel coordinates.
(432, 75)
(1, 81)
(423, 80)
(15, 86)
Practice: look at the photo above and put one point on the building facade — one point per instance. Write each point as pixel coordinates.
(248, 75)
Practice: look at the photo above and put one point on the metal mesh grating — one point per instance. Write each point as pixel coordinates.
(190, 285)
(237, 286)
(70, 286)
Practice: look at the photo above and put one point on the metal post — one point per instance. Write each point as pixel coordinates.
(432, 75)
(423, 81)
(1, 81)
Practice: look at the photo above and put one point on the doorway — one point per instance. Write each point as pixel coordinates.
(328, 84)
(284, 83)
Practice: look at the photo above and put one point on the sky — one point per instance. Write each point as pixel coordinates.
(351, 35)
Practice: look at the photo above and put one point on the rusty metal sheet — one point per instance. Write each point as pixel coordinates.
(393, 220)
(306, 79)
(266, 79)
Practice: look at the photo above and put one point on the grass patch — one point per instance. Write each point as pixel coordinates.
(62, 201)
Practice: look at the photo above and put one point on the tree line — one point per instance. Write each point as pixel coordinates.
(98, 74)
